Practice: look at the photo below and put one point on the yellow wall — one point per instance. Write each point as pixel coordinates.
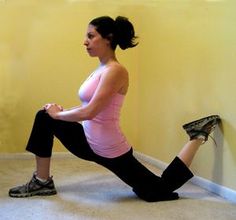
(187, 70)
(182, 69)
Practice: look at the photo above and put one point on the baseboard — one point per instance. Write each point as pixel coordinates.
(208, 185)
(220, 190)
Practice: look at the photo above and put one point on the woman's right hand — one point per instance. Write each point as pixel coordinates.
(48, 105)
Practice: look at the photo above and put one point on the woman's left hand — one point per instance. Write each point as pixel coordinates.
(53, 110)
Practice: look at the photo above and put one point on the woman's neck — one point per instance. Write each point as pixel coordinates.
(107, 58)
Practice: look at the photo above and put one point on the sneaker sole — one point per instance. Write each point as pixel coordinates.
(35, 193)
(204, 121)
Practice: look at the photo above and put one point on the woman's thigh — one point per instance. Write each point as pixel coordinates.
(130, 170)
(72, 136)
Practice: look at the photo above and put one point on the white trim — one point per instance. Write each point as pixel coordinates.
(208, 185)
(220, 190)
(153, 161)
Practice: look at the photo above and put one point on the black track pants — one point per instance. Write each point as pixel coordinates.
(144, 183)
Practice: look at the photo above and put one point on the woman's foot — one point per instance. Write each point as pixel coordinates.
(33, 188)
(201, 128)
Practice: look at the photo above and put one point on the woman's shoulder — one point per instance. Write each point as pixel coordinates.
(118, 68)
(115, 72)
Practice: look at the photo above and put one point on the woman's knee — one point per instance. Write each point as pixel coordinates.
(42, 114)
(43, 117)
(155, 195)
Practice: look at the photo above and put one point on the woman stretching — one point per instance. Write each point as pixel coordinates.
(99, 137)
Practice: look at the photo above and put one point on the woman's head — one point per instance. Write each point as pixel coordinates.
(119, 31)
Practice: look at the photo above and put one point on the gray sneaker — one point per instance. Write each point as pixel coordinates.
(33, 188)
(202, 127)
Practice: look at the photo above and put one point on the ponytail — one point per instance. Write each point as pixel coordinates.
(125, 33)
(119, 31)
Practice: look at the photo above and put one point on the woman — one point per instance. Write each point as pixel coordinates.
(99, 137)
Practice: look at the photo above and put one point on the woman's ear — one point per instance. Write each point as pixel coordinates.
(109, 38)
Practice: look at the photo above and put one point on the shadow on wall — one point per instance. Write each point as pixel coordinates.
(221, 134)
(218, 153)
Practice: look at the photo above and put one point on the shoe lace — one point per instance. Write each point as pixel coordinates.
(27, 185)
(213, 140)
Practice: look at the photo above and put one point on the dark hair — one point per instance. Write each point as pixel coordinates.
(119, 31)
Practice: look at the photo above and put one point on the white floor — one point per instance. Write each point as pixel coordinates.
(88, 191)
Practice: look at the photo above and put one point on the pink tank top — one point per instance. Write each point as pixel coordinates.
(103, 132)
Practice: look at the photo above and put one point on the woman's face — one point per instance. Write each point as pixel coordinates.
(95, 44)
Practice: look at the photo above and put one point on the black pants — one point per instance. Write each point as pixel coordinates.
(144, 183)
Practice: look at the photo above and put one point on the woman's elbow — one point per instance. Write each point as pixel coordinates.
(90, 112)
(90, 115)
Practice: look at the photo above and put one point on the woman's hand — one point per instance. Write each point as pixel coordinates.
(53, 109)
(48, 105)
